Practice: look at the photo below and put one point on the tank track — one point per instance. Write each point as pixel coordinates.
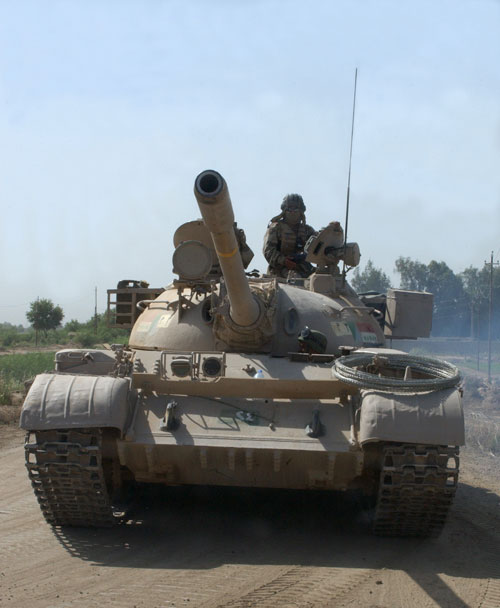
(416, 489)
(67, 475)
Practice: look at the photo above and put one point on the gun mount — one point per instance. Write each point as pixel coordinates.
(213, 199)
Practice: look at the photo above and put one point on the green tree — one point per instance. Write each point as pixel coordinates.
(73, 325)
(43, 315)
(451, 305)
(371, 279)
(414, 274)
(476, 284)
(452, 311)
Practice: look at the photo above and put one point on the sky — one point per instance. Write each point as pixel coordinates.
(109, 109)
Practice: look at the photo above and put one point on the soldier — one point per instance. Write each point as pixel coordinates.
(286, 235)
(245, 251)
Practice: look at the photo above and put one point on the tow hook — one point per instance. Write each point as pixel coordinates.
(169, 421)
(315, 428)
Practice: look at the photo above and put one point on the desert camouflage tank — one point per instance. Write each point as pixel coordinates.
(220, 384)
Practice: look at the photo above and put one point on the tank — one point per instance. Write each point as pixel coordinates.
(221, 384)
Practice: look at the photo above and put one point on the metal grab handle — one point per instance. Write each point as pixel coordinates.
(143, 304)
(375, 312)
(367, 308)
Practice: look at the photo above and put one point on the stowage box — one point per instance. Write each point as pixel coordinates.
(408, 314)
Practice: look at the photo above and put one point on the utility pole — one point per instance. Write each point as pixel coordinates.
(95, 312)
(489, 313)
(36, 318)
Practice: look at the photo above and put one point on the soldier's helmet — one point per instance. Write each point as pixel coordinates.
(293, 201)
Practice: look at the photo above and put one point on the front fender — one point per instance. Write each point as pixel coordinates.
(428, 418)
(59, 401)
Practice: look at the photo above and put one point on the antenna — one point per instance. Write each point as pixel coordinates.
(349, 174)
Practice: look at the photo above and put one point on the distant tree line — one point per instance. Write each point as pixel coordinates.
(461, 301)
(461, 306)
(46, 329)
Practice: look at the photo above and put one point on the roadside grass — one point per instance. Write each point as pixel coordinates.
(15, 370)
(466, 363)
(482, 413)
(482, 433)
(472, 364)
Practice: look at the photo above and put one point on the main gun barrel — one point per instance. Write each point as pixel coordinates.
(216, 209)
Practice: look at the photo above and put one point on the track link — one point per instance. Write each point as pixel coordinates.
(66, 472)
(417, 486)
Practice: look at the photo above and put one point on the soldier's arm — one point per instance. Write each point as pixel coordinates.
(246, 255)
(310, 232)
(273, 256)
(245, 251)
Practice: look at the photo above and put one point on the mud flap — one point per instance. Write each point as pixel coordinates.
(59, 401)
(435, 417)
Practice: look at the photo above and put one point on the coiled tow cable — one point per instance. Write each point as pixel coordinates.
(367, 370)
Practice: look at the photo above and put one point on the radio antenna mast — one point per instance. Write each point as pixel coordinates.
(349, 174)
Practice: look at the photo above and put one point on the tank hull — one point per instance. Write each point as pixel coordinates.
(91, 436)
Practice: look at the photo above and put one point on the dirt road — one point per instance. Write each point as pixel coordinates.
(229, 549)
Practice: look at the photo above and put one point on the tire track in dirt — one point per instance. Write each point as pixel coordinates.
(23, 531)
(302, 587)
(491, 598)
(188, 587)
(483, 526)
(486, 539)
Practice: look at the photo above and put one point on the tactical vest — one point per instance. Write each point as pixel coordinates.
(291, 241)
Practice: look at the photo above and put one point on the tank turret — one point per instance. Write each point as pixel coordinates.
(214, 305)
